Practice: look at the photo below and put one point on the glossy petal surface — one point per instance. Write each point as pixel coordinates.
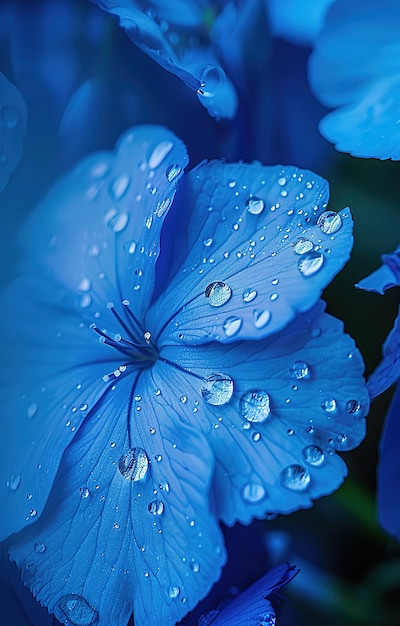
(355, 68)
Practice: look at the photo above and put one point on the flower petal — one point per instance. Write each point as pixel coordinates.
(98, 231)
(274, 412)
(119, 534)
(263, 251)
(13, 115)
(251, 608)
(389, 470)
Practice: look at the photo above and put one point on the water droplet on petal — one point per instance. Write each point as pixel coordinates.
(162, 207)
(207, 241)
(299, 370)
(84, 492)
(267, 619)
(218, 293)
(174, 592)
(118, 222)
(159, 153)
(329, 222)
(39, 547)
(232, 325)
(313, 455)
(295, 477)
(255, 205)
(353, 406)
(254, 406)
(310, 264)
(119, 186)
(329, 405)
(217, 389)
(134, 464)
(10, 115)
(13, 482)
(156, 507)
(253, 492)
(302, 245)
(261, 318)
(172, 172)
(75, 610)
(194, 566)
(282, 181)
(32, 410)
(249, 295)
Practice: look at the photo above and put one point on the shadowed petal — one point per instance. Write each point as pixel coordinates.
(389, 470)
(13, 115)
(260, 247)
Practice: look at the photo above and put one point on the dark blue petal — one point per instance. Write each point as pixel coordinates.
(260, 246)
(127, 525)
(355, 67)
(297, 21)
(251, 608)
(13, 115)
(389, 471)
(274, 411)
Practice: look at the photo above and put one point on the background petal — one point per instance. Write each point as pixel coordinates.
(389, 470)
(259, 247)
(13, 116)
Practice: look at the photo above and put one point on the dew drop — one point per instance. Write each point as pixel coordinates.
(10, 115)
(313, 455)
(195, 566)
(159, 153)
(174, 592)
(33, 512)
(329, 405)
(75, 610)
(172, 172)
(118, 222)
(253, 492)
(249, 295)
(353, 406)
(311, 263)
(32, 410)
(302, 245)
(162, 207)
(84, 492)
(207, 241)
(13, 482)
(156, 507)
(329, 222)
(299, 370)
(295, 477)
(282, 181)
(119, 186)
(218, 293)
(217, 389)
(232, 325)
(261, 318)
(267, 619)
(39, 547)
(254, 406)
(84, 284)
(134, 464)
(255, 205)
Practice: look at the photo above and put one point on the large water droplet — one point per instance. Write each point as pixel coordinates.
(172, 172)
(218, 293)
(120, 186)
(217, 389)
(73, 609)
(174, 592)
(255, 205)
(232, 325)
(313, 455)
(10, 115)
(311, 263)
(156, 507)
(253, 492)
(329, 222)
(249, 295)
(159, 153)
(299, 370)
(261, 318)
(13, 482)
(254, 406)
(302, 245)
(134, 464)
(295, 477)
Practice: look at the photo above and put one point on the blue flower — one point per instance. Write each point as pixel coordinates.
(355, 69)
(385, 375)
(13, 116)
(169, 365)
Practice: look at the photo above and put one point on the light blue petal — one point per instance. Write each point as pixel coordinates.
(389, 470)
(13, 116)
(107, 542)
(274, 411)
(260, 246)
(97, 233)
(251, 608)
(355, 65)
(298, 21)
